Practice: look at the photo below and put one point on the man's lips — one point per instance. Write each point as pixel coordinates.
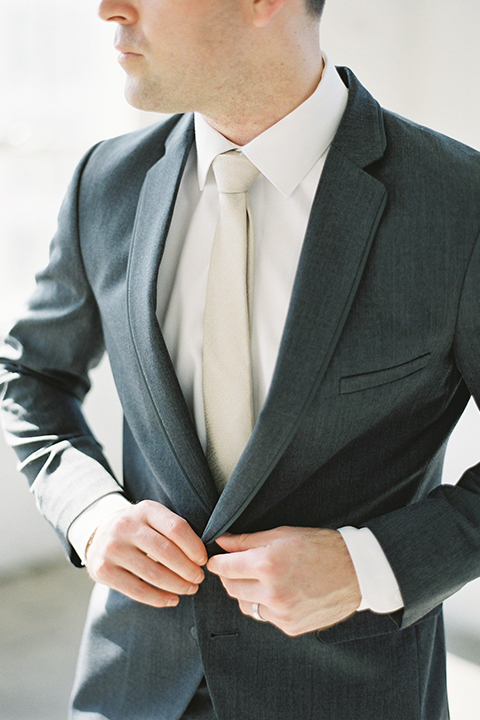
(126, 54)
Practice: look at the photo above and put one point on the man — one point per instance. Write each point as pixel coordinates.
(311, 480)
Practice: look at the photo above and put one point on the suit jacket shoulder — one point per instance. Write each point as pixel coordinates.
(118, 163)
(408, 147)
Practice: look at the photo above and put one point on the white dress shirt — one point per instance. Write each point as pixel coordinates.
(290, 156)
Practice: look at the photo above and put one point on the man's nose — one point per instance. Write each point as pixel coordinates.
(120, 11)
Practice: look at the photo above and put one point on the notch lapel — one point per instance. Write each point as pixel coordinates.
(154, 214)
(345, 215)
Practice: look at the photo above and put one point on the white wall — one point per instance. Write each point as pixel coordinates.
(420, 58)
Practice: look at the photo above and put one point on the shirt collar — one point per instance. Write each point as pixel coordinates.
(288, 150)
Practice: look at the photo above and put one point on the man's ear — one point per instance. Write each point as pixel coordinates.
(264, 10)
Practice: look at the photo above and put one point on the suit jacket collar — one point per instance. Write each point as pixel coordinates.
(345, 214)
(154, 214)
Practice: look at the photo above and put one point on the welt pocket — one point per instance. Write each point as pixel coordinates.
(355, 383)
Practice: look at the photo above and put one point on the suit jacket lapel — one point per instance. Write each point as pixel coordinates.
(345, 215)
(153, 218)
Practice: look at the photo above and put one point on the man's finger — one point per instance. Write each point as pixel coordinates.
(248, 591)
(237, 565)
(176, 529)
(136, 589)
(159, 575)
(247, 541)
(165, 552)
(248, 607)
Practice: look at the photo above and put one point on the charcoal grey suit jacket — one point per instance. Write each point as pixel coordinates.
(380, 353)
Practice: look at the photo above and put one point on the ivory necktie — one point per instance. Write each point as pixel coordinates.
(227, 373)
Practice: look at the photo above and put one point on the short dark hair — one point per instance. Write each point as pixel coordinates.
(315, 7)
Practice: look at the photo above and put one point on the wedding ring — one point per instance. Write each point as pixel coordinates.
(256, 613)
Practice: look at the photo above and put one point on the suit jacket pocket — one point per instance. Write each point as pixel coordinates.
(355, 383)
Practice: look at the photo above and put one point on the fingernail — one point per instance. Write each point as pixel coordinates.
(173, 602)
(192, 589)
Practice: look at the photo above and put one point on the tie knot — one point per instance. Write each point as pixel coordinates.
(234, 173)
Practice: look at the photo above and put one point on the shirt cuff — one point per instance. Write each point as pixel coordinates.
(378, 585)
(85, 524)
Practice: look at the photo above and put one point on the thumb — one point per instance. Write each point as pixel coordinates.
(245, 541)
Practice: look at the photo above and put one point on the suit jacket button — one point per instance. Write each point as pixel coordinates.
(193, 632)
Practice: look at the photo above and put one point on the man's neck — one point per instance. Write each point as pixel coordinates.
(251, 115)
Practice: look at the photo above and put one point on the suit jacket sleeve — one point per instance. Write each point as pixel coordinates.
(434, 545)
(46, 360)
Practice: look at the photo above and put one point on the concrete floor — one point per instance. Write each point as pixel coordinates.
(41, 618)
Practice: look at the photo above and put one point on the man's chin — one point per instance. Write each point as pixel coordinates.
(148, 99)
(137, 98)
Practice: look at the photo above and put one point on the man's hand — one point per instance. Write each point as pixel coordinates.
(147, 553)
(302, 579)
